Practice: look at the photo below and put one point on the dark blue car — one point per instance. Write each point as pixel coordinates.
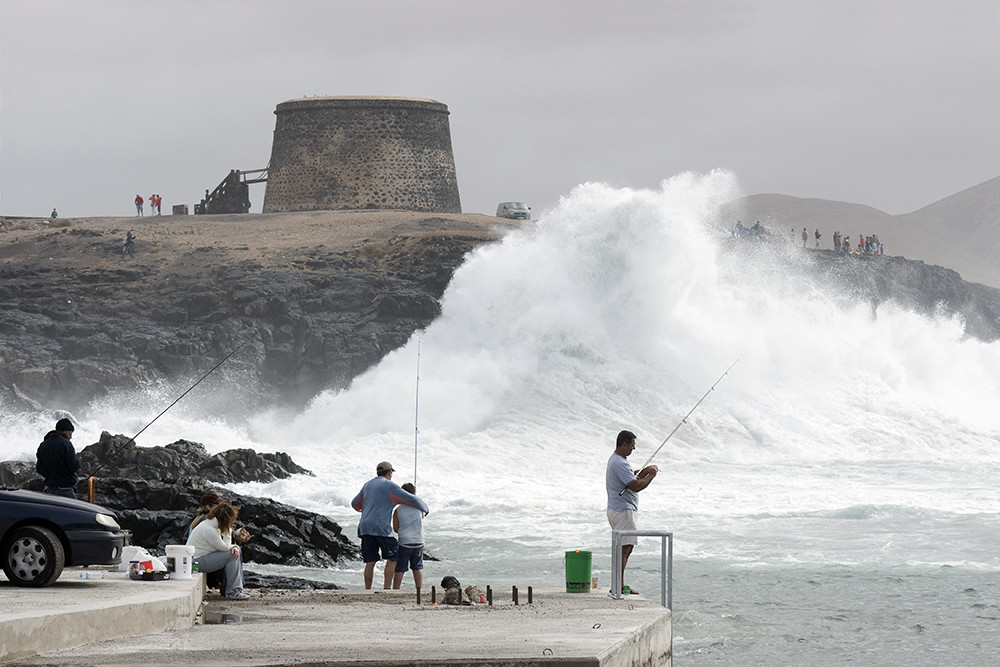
(41, 533)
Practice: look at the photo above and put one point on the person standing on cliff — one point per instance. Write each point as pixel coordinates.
(57, 460)
(375, 502)
(622, 506)
(128, 247)
(138, 204)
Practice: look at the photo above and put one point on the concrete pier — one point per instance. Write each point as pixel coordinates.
(108, 622)
(75, 611)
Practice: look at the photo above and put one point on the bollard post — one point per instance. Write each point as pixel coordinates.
(418, 596)
(513, 594)
(529, 594)
(489, 595)
(433, 594)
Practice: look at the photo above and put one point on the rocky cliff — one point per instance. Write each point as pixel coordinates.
(302, 302)
(925, 288)
(307, 301)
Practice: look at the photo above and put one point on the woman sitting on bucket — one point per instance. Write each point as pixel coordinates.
(214, 550)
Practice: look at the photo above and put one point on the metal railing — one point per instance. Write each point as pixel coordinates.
(666, 563)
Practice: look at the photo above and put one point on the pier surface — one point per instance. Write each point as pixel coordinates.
(116, 621)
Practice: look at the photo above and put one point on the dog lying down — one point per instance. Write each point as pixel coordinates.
(453, 592)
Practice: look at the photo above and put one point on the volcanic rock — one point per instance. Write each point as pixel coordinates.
(155, 491)
(286, 305)
(118, 456)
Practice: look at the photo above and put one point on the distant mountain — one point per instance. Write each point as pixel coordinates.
(960, 232)
(968, 220)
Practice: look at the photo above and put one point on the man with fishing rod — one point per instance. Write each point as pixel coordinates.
(375, 502)
(623, 485)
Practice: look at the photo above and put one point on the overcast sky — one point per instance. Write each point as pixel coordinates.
(893, 104)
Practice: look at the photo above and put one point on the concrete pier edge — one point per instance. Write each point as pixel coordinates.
(75, 612)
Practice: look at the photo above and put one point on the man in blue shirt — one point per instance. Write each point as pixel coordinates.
(622, 506)
(375, 502)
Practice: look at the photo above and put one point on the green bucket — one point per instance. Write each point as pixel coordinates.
(578, 571)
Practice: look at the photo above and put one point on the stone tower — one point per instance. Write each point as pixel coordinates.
(334, 153)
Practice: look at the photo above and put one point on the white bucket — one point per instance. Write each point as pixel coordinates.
(179, 560)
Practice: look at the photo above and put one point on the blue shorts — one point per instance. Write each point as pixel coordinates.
(370, 545)
(410, 558)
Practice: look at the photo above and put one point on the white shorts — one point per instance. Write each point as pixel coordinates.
(623, 520)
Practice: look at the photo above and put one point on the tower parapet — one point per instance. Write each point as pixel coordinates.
(333, 153)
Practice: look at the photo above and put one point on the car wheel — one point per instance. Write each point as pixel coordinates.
(33, 556)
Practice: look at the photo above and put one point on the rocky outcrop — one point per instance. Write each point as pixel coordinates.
(294, 320)
(155, 491)
(877, 279)
(118, 456)
(159, 513)
(925, 288)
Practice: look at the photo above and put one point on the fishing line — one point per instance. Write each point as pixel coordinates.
(416, 415)
(684, 419)
(131, 440)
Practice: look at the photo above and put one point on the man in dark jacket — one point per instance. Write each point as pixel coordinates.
(58, 462)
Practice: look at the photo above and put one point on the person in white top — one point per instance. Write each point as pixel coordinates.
(408, 522)
(623, 486)
(214, 550)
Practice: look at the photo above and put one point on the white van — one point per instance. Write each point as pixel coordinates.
(515, 210)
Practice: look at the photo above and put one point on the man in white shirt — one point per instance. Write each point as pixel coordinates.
(623, 486)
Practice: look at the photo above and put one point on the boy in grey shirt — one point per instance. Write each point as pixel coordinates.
(408, 522)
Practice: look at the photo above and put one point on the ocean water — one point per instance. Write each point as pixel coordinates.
(833, 500)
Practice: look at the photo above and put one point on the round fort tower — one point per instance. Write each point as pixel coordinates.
(333, 153)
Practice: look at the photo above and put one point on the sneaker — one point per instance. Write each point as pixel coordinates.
(238, 594)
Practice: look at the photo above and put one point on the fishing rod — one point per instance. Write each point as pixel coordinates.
(131, 440)
(684, 420)
(416, 415)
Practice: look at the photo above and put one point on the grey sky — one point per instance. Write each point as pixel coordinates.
(888, 103)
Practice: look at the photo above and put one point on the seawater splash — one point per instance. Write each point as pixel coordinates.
(618, 309)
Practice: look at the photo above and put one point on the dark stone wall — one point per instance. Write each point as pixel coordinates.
(336, 153)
